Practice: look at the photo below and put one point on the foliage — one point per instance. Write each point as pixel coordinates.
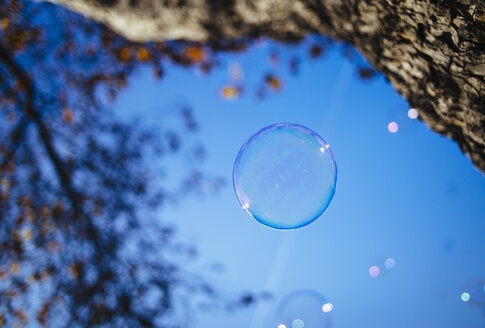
(80, 240)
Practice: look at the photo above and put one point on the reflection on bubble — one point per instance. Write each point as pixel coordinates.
(284, 176)
(412, 113)
(390, 263)
(327, 307)
(392, 127)
(474, 291)
(374, 271)
(303, 309)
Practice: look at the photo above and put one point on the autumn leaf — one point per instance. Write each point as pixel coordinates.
(10, 168)
(67, 115)
(316, 51)
(53, 246)
(11, 117)
(20, 314)
(274, 82)
(229, 92)
(45, 212)
(43, 313)
(124, 54)
(14, 268)
(75, 269)
(195, 54)
(26, 234)
(143, 54)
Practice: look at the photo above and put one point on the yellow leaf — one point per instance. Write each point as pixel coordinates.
(5, 23)
(15, 268)
(26, 234)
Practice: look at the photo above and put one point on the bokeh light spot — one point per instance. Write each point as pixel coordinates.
(465, 297)
(412, 113)
(281, 326)
(390, 263)
(327, 307)
(393, 127)
(374, 271)
(298, 323)
(284, 176)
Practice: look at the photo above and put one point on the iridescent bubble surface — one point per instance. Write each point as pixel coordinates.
(303, 309)
(284, 176)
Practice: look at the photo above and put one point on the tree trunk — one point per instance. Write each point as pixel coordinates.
(431, 51)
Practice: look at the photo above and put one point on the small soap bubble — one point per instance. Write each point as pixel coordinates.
(327, 307)
(303, 309)
(390, 263)
(393, 127)
(474, 292)
(412, 113)
(374, 271)
(284, 176)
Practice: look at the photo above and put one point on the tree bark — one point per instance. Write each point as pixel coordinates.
(431, 51)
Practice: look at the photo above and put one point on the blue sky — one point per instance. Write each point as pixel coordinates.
(412, 196)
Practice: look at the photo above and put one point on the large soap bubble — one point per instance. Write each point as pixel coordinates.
(303, 309)
(284, 176)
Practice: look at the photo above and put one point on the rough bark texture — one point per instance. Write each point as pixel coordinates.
(431, 51)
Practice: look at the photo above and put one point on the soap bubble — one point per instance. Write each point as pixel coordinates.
(475, 291)
(390, 263)
(374, 271)
(302, 309)
(284, 176)
(393, 127)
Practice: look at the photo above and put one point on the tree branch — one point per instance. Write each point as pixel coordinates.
(27, 84)
(431, 51)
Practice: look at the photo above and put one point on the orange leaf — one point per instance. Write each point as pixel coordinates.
(143, 54)
(195, 54)
(273, 82)
(124, 54)
(67, 116)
